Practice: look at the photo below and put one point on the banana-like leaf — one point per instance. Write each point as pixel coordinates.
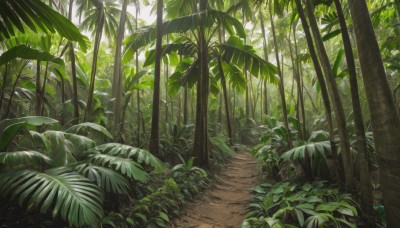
(125, 166)
(25, 52)
(179, 8)
(85, 127)
(23, 158)
(69, 195)
(37, 16)
(180, 25)
(186, 48)
(106, 178)
(10, 127)
(234, 51)
(125, 151)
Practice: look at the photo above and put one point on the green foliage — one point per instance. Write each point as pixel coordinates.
(126, 151)
(308, 205)
(25, 52)
(23, 158)
(149, 212)
(38, 17)
(67, 194)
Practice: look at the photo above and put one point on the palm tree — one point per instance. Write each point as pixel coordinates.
(384, 116)
(99, 16)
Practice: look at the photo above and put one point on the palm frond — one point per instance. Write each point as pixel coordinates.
(124, 166)
(180, 25)
(23, 158)
(236, 52)
(84, 128)
(105, 178)
(125, 151)
(37, 16)
(25, 52)
(67, 194)
(185, 48)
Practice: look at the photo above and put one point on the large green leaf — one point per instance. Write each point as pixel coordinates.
(25, 52)
(38, 17)
(10, 127)
(180, 25)
(105, 178)
(125, 151)
(23, 158)
(186, 48)
(69, 195)
(234, 51)
(83, 128)
(125, 166)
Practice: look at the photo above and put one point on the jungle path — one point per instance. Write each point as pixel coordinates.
(224, 204)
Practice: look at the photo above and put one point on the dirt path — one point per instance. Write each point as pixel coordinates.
(224, 205)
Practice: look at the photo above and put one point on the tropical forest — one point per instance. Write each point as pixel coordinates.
(200, 113)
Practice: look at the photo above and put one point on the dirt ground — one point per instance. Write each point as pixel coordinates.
(223, 205)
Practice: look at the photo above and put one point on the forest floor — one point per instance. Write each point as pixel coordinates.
(224, 204)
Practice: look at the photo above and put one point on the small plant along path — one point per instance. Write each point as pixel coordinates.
(224, 205)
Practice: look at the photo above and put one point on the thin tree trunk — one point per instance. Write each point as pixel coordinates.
(43, 90)
(384, 116)
(300, 86)
(281, 85)
(3, 87)
(138, 120)
(265, 48)
(324, 92)
(38, 88)
(365, 180)
(225, 92)
(7, 112)
(116, 91)
(337, 102)
(73, 71)
(96, 48)
(155, 117)
(185, 105)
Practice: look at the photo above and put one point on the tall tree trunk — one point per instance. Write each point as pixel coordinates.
(116, 91)
(225, 93)
(265, 48)
(43, 90)
(300, 84)
(138, 120)
(97, 40)
(73, 71)
(155, 117)
(200, 145)
(38, 88)
(365, 180)
(324, 91)
(337, 102)
(384, 116)
(3, 87)
(281, 85)
(185, 105)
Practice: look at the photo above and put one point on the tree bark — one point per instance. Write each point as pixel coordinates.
(116, 91)
(324, 91)
(225, 92)
(155, 117)
(337, 102)
(384, 116)
(73, 71)
(97, 40)
(365, 180)
(281, 85)
(200, 145)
